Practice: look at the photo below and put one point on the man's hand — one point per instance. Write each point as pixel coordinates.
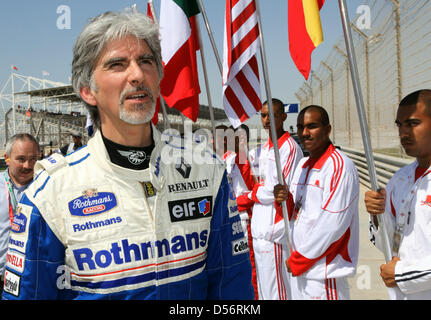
(280, 193)
(375, 201)
(387, 272)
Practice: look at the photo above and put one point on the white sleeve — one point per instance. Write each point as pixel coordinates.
(413, 276)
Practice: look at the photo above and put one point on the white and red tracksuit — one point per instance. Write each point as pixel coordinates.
(241, 180)
(324, 226)
(408, 203)
(267, 224)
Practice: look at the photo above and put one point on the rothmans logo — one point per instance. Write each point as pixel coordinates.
(188, 186)
(92, 202)
(19, 221)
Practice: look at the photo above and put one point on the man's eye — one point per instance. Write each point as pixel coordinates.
(116, 65)
(147, 61)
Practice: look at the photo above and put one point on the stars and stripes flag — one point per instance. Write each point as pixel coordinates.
(241, 85)
(305, 31)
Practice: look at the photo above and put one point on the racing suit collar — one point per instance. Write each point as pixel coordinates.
(98, 150)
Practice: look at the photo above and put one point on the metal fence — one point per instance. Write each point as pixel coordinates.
(385, 165)
(393, 58)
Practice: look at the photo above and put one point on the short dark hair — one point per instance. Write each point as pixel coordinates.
(423, 95)
(324, 118)
(276, 103)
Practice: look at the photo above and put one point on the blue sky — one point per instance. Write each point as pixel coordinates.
(31, 40)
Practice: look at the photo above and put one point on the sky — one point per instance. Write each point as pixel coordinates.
(32, 40)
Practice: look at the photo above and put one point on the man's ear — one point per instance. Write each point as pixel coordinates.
(6, 159)
(87, 95)
(329, 129)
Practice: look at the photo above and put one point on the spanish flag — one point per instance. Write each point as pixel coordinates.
(305, 31)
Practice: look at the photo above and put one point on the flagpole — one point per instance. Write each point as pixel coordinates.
(204, 67)
(272, 123)
(362, 120)
(166, 123)
(207, 25)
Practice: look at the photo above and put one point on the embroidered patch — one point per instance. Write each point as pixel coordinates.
(92, 202)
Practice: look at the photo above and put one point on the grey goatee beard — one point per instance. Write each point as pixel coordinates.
(140, 113)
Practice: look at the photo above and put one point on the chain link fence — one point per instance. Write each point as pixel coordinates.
(393, 58)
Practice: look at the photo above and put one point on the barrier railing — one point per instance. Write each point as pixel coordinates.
(386, 166)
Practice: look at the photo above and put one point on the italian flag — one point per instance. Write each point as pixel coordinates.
(305, 31)
(179, 42)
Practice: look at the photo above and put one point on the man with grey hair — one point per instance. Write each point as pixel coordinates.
(116, 219)
(21, 154)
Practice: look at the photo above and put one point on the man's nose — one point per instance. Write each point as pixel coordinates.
(136, 74)
(403, 131)
(305, 132)
(28, 164)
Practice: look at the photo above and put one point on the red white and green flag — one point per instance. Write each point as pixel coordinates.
(179, 40)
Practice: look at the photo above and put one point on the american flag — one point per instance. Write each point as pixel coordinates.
(241, 85)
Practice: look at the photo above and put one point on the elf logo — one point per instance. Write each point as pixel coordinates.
(189, 209)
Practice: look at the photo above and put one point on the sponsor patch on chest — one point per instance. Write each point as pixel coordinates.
(92, 202)
(149, 189)
(15, 261)
(189, 186)
(189, 209)
(19, 221)
(11, 283)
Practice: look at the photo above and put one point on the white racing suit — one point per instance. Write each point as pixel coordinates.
(408, 203)
(89, 229)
